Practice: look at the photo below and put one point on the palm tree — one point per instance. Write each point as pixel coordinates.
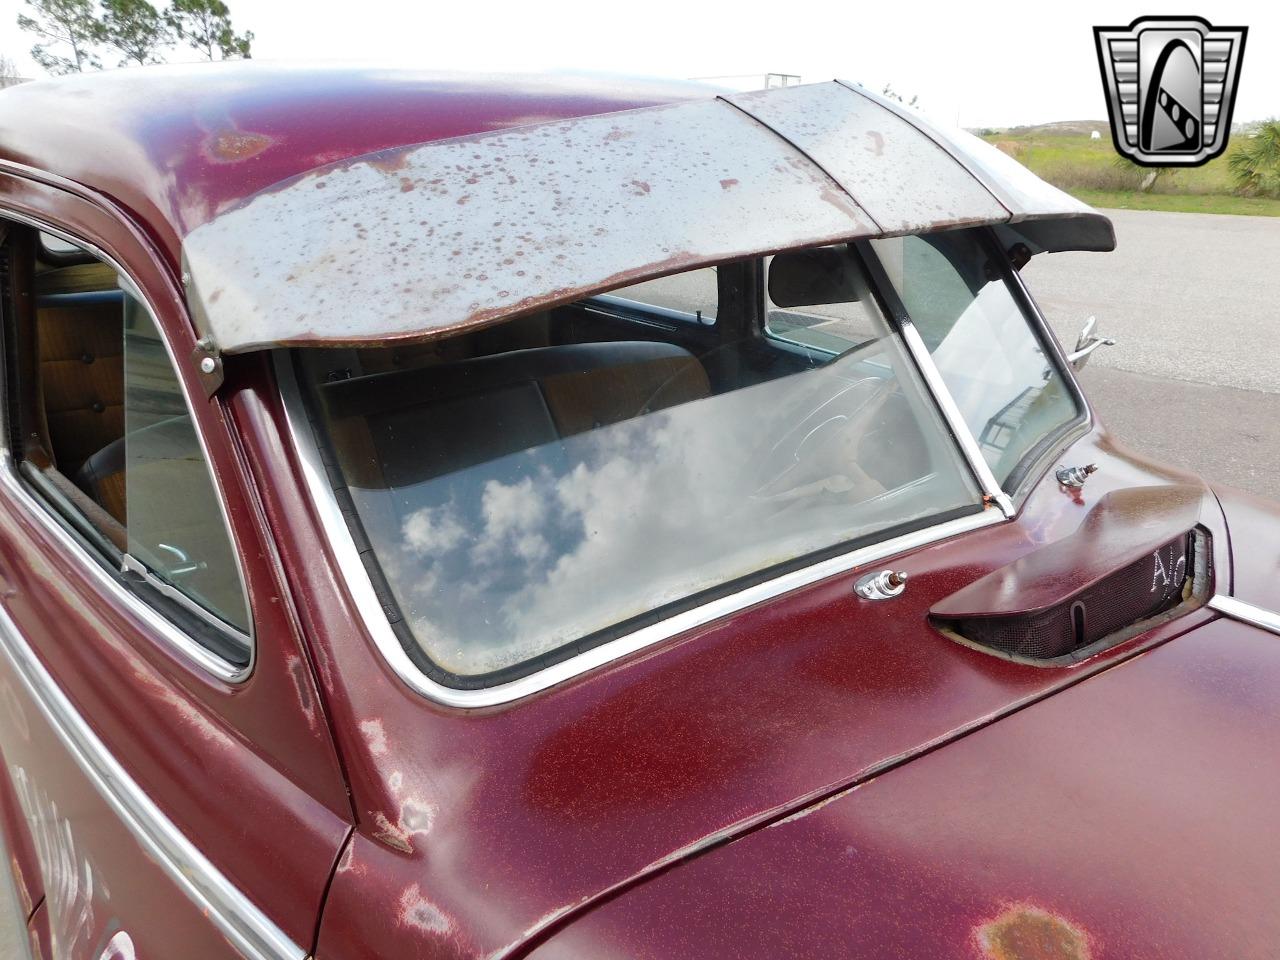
(1255, 164)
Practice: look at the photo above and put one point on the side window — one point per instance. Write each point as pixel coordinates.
(820, 299)
(175, 526)
(1004, 382)
(108, 443)
(693, 295)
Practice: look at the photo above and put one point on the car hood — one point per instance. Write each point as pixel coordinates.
(1130, 815)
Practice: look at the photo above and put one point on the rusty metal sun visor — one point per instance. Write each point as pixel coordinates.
(424, 241)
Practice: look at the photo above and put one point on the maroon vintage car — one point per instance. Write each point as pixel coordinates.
(575, 518)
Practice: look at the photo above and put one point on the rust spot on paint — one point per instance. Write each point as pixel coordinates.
(232, 146)
(1027, 932)
(641, 187)
(406, 184)
(419, 912)
(727, 184)
(617, 134)
(393, 836)
(389, 161)
(877, 142)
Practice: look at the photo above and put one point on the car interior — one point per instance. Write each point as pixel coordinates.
(68, 367)
(97, 419)
(589, 364)
(843, 435)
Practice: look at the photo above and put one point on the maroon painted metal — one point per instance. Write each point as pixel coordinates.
(1252, 524)
(1127, 816)
(248, 768)
(571, 796)
(1120, 528)
(818, 775)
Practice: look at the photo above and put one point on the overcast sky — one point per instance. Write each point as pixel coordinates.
(994, 65)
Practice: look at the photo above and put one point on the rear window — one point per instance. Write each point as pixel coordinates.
(527, 491)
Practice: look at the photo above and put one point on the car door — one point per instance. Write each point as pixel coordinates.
(170, 788)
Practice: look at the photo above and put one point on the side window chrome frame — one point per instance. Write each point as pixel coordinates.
(896, 311)
(1036, 462)
(110, 582)
(610, 305)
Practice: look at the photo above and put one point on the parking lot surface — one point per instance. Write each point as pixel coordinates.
(1194, 303)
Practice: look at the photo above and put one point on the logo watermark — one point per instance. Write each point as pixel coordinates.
(1171, 86)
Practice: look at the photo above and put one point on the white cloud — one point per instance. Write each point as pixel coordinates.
(431, 531)
(637, 515)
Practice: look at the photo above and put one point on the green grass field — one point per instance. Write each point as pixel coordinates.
(1087, 169)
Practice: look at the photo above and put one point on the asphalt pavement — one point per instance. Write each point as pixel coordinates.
(1193, 301)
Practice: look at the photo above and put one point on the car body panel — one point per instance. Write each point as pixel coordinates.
(478, 829)
(15, 835)
(246, 767)
(1123, 817)
(177, 145)
(1252, 523)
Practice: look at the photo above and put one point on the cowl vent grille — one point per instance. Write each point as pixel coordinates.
(1140, 592)
(1138, 557)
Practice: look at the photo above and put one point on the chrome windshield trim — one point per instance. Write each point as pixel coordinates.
(955, 419)
(1050, 339)
(189, 647)
(375, 621)
(247, 928)
(1246, 612)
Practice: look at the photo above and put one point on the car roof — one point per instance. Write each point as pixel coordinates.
(178, 144)
(444, 202)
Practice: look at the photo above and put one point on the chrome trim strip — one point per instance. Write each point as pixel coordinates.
(1065, 370)
(248, 929)
(1050, 339)
(955, 419)
(194, 651)
(200, 655)
(1245, 612)
(379, 628)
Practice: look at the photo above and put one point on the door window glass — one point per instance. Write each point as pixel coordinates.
(175, 527)
(1003, 380)
(105, 439)
(693, 294)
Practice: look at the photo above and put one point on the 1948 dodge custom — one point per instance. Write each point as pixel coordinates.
(566, 518)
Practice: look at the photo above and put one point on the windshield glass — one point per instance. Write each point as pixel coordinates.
(1002, 377)
(537, 487)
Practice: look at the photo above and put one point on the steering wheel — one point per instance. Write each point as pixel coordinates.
(820, 452)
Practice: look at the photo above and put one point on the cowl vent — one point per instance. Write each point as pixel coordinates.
(1137, 559)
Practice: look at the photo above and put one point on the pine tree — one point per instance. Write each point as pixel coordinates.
(68, 31)
(136, 29)
(205, 25)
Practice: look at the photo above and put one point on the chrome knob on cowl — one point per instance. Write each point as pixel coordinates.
(881, 586)
(1075, 477)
